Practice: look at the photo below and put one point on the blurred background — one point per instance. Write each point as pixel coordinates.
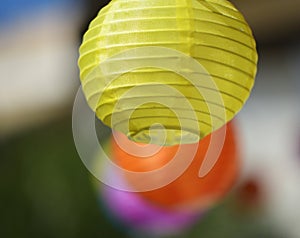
(46, 191)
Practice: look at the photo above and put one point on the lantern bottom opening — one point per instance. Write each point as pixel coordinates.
(163, 136)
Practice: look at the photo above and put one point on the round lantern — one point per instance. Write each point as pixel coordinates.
(181, 67)
(189, 190)
(133, 211)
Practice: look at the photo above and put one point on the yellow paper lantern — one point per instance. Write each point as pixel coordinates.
(167, 71)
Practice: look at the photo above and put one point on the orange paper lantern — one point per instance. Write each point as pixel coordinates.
(189, 190)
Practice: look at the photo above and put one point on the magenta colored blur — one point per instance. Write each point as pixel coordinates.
(139, 214)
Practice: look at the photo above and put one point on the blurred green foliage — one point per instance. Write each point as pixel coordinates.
(47, 192)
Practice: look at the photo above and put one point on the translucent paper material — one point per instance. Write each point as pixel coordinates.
(137, 87)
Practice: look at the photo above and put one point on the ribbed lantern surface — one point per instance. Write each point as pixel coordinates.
(137, 67)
